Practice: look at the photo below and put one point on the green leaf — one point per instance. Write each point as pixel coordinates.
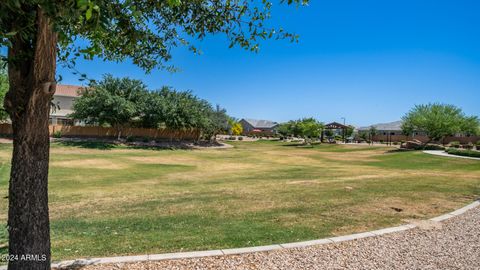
(174, 3)
(82, 4)
(88, 14)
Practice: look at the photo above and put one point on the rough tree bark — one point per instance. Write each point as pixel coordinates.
(32, 84)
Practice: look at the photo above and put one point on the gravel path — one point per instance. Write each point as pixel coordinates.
(451, 244)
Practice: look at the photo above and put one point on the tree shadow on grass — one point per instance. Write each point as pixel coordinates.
(72, 267)
(398, 150)
(151, 145)
(293, 144)
(106, 145)
(89, 144)
(302, 145)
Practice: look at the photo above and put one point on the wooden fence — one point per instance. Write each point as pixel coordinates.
(108, 132)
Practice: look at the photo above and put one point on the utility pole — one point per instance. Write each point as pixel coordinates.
(344, 131)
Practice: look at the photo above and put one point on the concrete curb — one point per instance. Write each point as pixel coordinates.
(442, 153)
(236, 251)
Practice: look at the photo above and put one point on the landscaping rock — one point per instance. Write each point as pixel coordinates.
(415, 144)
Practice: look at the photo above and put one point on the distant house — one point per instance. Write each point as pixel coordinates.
(392, 128)
(63, 101)
(252, 126)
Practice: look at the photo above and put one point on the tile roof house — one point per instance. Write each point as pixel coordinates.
(258, 126)
(392, 128)
(395, 127)
(63, 99)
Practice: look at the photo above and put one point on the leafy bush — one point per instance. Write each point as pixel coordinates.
(455, 144)
(145, 139)
(465, 153)
(240, 138)
(478, 144)
(130, 139)
(433, 147)
(468, 146)
(395, 143)
(57, 134)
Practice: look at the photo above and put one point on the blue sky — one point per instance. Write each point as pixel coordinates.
(369, 61)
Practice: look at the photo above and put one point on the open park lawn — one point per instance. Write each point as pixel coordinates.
(109, 200)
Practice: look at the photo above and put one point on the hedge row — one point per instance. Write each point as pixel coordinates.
(466, 153)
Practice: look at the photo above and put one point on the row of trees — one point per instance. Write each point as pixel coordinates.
(305, 128)
(122, 102)
(308, 128)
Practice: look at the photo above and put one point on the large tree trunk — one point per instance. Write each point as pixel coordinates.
(31, 70)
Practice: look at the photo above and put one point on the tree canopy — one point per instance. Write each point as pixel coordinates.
(237, 129)
(122, 102)
(306, 128)
(111, 101)
(439, 121)
(144, 31)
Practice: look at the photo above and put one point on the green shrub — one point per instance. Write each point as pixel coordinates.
(240, 138)
(130, 139)
(433, 147)
(478, 144)
(468, 146)
(395, 143)
(455, 144)
(465, 153)
(145, 139)
(57, 134)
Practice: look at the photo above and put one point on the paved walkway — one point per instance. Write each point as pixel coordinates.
(445, 154)
(448, 244)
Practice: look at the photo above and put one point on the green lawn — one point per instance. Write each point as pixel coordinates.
(108, 200)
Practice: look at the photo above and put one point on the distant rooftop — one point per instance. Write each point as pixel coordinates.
(68, 90)
(397, 125)
(260, 123)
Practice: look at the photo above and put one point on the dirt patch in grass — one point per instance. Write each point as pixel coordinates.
(171, 159)
(352, 156)
(407, 207)
(5, 155)
(338, 179)
(105, 164)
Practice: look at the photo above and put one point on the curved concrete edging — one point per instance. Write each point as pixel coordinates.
(234, 251)
(445, 154)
